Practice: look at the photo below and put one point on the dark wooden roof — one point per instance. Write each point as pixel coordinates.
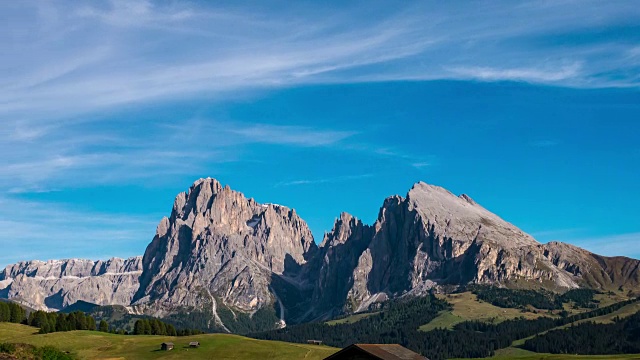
(382, 352)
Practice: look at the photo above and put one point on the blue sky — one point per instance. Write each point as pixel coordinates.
(109, 109)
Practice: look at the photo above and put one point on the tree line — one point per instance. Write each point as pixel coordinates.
(157, 327)
(49, 322)
(11, 312)
(540, 299)
(590, 338)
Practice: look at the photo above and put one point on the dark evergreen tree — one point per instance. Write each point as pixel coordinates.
(104, 327)
(138, 327)
(5, 312)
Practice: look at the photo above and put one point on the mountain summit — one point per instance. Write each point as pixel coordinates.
(228, 263)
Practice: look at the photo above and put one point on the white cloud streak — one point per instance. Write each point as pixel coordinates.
(330, 180)
(612, 245)
(40, 230)
(69, 156)
(62, 58)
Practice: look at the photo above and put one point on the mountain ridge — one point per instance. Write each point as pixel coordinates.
(222, 258)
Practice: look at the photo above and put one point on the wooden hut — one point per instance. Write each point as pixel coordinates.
(314, 342)
(166, 346)
(194, 344)
(375, 352)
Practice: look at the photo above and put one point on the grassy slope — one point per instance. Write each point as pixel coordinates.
(604, 319)
(95, 345)
(350, 319)
(466, 306)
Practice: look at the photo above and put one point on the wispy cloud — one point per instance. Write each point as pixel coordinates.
(39, 230)
(64, 64)
(534, 75)
(329, 180)
(421, 165)
(61, 59)
(294, 135)
(612, 245)
(557, 234)
(77, 156)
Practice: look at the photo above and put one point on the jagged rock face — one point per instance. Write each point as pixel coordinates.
(55, 284)
(338, 257)
(433, 237)
(429, 237)
(220, 246)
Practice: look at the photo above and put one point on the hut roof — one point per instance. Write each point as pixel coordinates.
(382, 352)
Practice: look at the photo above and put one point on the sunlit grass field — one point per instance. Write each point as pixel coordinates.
(96, 345)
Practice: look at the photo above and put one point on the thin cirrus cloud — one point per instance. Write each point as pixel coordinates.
(329, 180)
(612, 245)
(29, 225)
(63, 63)
(63, 58)
(68, 156)
(293, 135)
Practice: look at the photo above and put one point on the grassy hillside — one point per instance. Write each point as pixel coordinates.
(95, 345)
(466, 306)
(350, 319)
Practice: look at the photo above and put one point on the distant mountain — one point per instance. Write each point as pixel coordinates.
(224, 262)
(57, 284)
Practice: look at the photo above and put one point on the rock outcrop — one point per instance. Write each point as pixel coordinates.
(219, 248)
(56, 284)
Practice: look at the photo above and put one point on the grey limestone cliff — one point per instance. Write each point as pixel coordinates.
(219, 248)
(56, 284)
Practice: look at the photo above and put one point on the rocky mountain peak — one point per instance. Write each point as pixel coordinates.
(219, 243)
(343, 228)
(462, 218)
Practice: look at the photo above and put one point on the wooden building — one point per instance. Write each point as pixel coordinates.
(375, 352)
(314, 342)
(194, 344)
(166, 346)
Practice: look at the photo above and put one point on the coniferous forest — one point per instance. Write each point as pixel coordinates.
(539, 299)
(621, 337)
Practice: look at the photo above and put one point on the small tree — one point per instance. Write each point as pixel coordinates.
(138, 327)
(45, 328)
(171, 330)
(104, 327)
(5, 312)
(147, 327)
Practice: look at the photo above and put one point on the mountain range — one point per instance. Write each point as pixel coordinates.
(229, 263)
